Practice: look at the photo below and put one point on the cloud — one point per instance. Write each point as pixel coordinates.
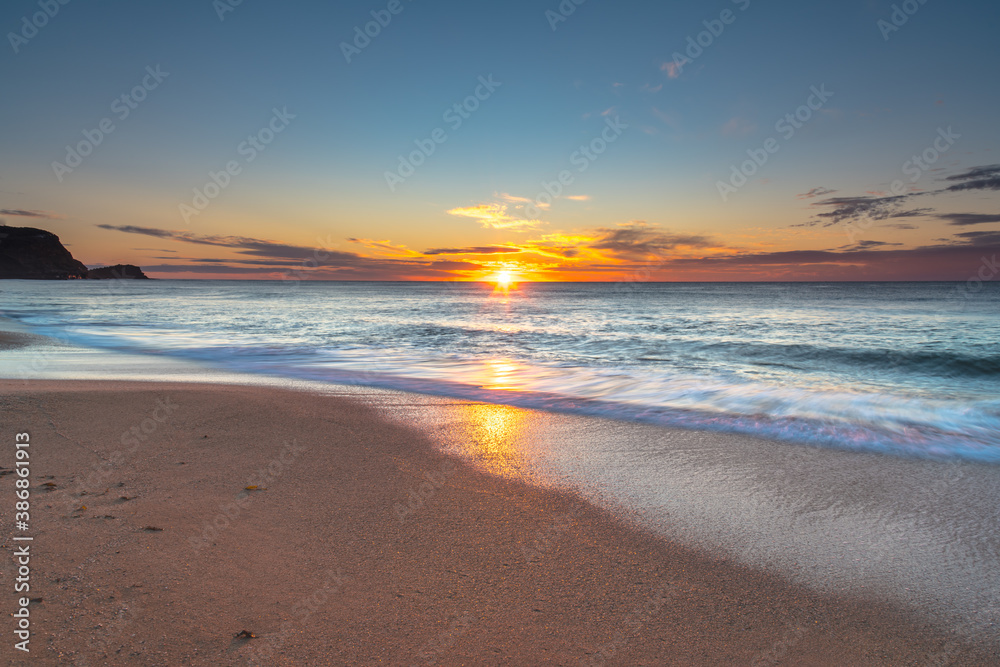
(243, 245)
(557, 246)
(386, 246)
(852, 208)
(506, 196)
(671, 69)
(494, 216)
(652, 89)
(639, 240)
(578, 197)
(979, 239)
(269, 257)
(942, 262)
(877, 206)
(965, 219)
(278, 263)
(866, 245)
(148, 231)
(816, 192)
(474, 250)
(986, 177)
(26, 214)
(856, 208)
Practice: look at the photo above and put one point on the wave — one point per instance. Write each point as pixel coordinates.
(943, 363)
(876, 421)
(862, 422)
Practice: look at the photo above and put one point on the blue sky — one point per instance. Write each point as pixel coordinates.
(323, 176)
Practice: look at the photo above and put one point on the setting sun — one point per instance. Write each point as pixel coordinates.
(504, 279)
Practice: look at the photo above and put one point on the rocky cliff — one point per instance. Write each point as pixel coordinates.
(36, 254)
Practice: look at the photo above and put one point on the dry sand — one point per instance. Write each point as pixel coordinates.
(150, 551)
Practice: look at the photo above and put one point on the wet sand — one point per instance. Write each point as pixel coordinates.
(361, 544)
(10, 340)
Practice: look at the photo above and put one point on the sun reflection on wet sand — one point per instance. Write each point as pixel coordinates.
(490, 437)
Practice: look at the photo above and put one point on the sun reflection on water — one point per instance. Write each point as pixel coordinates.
(500, 374)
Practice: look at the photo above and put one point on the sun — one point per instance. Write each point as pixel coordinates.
(504, 279)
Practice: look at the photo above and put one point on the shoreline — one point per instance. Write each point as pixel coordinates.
(363, 544)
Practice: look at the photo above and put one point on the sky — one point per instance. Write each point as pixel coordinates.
(732, 140)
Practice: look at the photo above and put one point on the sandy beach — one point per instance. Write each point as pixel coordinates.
(360, 544)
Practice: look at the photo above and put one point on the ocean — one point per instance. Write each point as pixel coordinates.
(872, 409)
(906, 369)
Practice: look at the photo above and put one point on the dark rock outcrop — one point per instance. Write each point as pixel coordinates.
(118, 271)
(35, 254)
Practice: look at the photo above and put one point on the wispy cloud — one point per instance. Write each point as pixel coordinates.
(816, 192)
(876, 205)
(270, 258)
(867, 245)
(671, 69)
(27, 214)
(864, 261)
(855, 208)
(494, 216)
(986, 177)
(474, 250)
(386, 247)
(965, 219)
(639, 240)
(506, 196)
